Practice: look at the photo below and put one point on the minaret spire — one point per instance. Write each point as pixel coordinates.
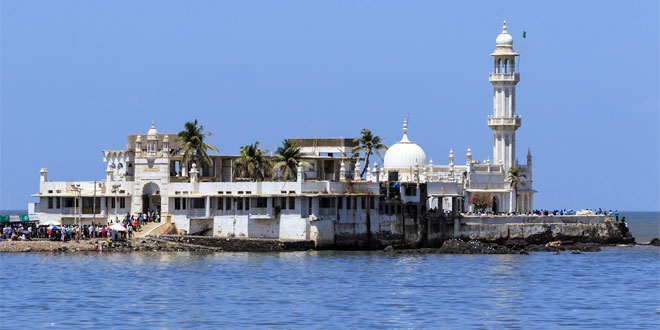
(504, 122)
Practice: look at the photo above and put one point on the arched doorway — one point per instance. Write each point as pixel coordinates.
(150, 197)
(495, 209)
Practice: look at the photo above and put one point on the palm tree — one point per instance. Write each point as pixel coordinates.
(514, 176)
(253, 163)
(288, 156)
(192, 144)
(368, 143)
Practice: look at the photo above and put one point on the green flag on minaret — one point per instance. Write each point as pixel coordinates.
(524, 34)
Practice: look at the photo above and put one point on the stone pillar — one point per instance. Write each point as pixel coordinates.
(342, 171)
(300, 172)
(374, 173)
(43, 175)
(193, 178)
(207, 209)
(357, 175)
(102, 205)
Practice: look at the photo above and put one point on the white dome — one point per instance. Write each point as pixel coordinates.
(404, 154)
(504, 39)
(152, 131)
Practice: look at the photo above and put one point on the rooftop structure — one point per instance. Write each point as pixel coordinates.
(327, 196)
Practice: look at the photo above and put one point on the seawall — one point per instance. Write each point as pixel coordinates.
(433, 230)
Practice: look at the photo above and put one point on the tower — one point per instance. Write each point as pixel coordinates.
(504, 122)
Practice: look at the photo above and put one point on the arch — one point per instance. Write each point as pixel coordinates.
(151, 199)
(495, 205)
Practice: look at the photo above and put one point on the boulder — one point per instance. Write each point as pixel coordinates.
(655, 242)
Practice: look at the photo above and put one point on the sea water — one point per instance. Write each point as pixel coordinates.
(618, 287)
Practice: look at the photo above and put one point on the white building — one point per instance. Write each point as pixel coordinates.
(453, 184)
(327, 199)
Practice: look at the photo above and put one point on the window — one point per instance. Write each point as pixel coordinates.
(122, 202)
(348, 203)
(114, 200)
(371, 203)
(327, 202)
(363, 201)
(398, 209)
(50, 202)
(228, 204)
(239, 204)
(199, 203)
(340, 203)
(177, 203)
(411, 191)
(58, 202)
(283, 203)
(183, 203)
(292, 203)
(261, 202)
(247, 203)
(221, 202)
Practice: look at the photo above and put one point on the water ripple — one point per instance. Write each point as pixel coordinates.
(615, 288)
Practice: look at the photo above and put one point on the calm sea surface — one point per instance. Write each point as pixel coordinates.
(618, 287)
(615, 288)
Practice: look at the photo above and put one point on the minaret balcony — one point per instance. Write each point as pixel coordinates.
(504, 122)
(515, 76)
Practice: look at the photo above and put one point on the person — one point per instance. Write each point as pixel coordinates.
(616, 214)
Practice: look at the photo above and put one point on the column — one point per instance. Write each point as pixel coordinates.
(207, 209)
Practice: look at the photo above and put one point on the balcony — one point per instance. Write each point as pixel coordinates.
(504, 77)
(504, 122)
(197, 214)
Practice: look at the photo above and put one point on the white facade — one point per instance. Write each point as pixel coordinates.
(326, 199)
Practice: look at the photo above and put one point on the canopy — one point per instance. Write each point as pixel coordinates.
(117, 227)
(49, 223)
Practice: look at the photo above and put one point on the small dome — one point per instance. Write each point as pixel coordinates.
(404, 154)
(166, 138)
(139, 138)
(152, 131)
(504, 39)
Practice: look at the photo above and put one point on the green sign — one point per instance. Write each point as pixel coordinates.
(4, 218)
(24, 217)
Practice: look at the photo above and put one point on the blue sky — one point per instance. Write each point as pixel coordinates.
(78, 76)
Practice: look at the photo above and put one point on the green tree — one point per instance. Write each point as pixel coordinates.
(192, 145)
(253, 163)
(369, 144)
(514, 176)
(288, 157)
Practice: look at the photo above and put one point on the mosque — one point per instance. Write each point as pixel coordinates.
(325, 201)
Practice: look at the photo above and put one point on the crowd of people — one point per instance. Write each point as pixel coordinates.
(32, 230)
(614, 213)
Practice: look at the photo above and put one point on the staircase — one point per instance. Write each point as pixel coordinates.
(146, 228)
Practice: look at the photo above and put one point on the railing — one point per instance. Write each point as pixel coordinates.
(196, 213)
(327, 211)
(502, 121)
(504, 76)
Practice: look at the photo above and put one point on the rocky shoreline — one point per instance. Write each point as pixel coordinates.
(175, 243)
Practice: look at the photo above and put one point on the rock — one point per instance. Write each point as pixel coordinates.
(389, 248)
(576, 252)
(655, 242)
(554, 243)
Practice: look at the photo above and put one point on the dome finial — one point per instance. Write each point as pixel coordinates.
(504, 27)
(405, 124)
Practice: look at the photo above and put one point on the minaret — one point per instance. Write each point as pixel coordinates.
(504, 122)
